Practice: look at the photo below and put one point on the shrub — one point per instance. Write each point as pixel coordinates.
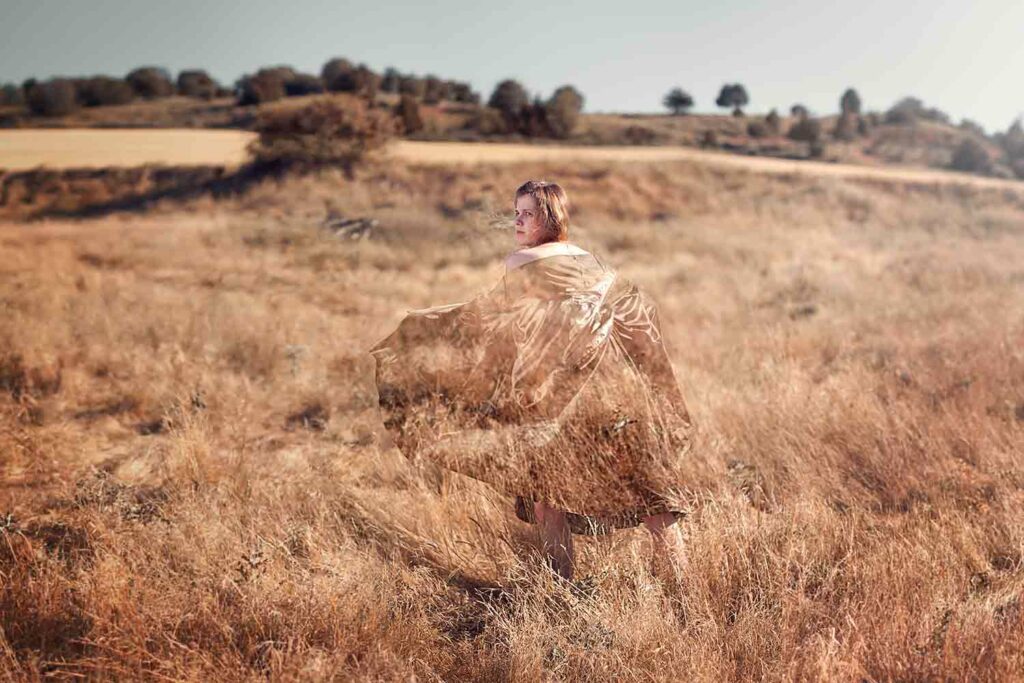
(11, 95)
(510, 98)
(971, 156)
(266, 85)
(678, 100)
(408, 112)
(849, 103)
(303, 84)
(799, 111)
(806, 130)
(909, 109)
(774, 122)
(150, 82)
(846, 127)
(490, 121)
(196, 83)
(563, 111)
(709, 140)
(733, 95)
(410, 85)
(103, 90)
(55, 97)
(639, 135)
(757, 129)
(327, 131)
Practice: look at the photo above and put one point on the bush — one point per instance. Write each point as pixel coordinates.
(757, 129)
(55, 97)
(196, 83)
(408, 112)
(973, 127)
(709, 140)
(971, 156)
(103, 90)
(909, 109)
(806, 130)
(11, 95)
(303, 84)
(150, 82)
(563, 111)
(846, 127)
(774, 122)
(266, 85)
(678, 100)
(799, 111)
(324, 132)
(490, 122)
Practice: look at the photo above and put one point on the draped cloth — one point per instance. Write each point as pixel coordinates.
(554, 385)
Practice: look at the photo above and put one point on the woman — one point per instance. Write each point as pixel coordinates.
(554, 386)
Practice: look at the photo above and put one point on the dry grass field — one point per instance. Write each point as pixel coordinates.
(195, 483)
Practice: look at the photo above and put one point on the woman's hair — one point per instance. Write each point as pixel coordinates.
(553, 205)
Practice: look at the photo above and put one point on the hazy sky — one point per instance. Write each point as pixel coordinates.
(965, 57)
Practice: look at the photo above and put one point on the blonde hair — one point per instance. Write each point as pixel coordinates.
(553, 205)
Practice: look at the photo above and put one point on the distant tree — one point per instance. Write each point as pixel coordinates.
(100, 91)
(434, 89)
(390, 81)
(563, 111)
(735, 96)
(408, 112)
(773, 122)
(11, 95)
(410, 85)
(849, 103)
(55, 97)
(533, 120)
(678, 100)
(799, 111)
(510, 98)
(337, 75)
(303, 84)
(971, 156)
(150, 82)
(464, 93)
(196, 83)
(1012, 144)
(266, 85)
(973, 127)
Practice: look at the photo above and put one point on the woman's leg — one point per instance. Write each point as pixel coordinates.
(666, 542)
(556, 538)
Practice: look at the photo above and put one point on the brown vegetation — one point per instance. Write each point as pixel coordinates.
(196, 485)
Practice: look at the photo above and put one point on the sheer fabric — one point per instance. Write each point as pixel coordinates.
(555, 385)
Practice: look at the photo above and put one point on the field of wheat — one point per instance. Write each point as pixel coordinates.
(194, 480)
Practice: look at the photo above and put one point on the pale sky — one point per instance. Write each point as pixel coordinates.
(965, 57)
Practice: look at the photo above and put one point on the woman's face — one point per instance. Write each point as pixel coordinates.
(529, 222)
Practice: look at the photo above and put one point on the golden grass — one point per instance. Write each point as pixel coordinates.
(97, 148)
(851, 352)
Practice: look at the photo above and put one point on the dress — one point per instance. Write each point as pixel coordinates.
(554, 385)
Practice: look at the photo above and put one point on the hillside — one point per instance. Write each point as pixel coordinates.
(195, 484)
(924, 144)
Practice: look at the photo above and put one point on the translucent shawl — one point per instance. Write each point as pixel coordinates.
(555, 385)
